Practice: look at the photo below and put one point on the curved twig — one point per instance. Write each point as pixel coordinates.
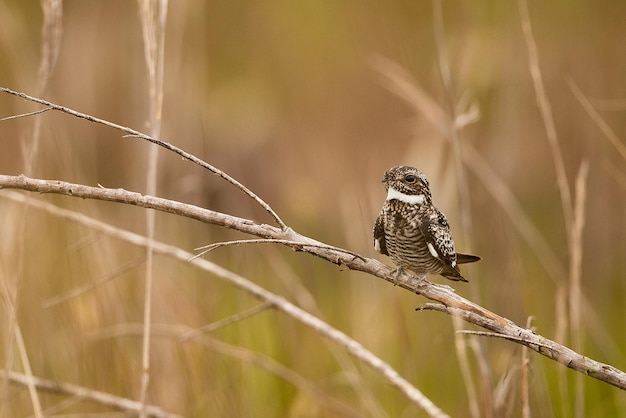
(136, 134)
(24, 115)
(296, 245)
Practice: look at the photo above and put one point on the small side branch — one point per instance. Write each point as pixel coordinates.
(296, 245)
(136, 134)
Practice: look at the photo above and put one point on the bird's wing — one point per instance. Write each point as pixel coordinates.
(379, 236)
(436, 232)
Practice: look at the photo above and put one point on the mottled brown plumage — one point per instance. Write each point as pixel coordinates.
(412, 231)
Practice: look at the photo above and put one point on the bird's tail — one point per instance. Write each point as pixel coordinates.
(466, 258)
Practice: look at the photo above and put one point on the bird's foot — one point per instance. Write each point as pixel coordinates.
(397, 275)
(419, 281)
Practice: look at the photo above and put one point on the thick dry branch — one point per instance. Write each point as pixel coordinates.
(448, 301)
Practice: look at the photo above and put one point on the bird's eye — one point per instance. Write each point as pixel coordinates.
(410, 178)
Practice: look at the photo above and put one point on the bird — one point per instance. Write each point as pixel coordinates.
(412, 231)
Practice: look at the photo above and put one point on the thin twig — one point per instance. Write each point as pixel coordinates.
(226, 321)
(24, 115)
(498, 335)
(296, 245)
(136, 134)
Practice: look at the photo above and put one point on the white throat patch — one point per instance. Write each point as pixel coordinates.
(416, 199)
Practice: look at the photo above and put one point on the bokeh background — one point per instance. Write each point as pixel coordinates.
(290, 99)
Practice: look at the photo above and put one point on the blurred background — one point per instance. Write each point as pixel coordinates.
(291, 99)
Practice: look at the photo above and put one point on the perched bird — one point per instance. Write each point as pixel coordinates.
(412, 231)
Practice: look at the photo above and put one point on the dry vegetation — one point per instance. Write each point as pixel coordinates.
(512, 109)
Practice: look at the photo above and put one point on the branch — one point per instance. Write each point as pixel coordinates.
(131, 133)
(295, 245)
(448, 301)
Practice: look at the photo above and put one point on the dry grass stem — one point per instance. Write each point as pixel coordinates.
(546, 113)
(81, 392)
(460, 346)
(597, 118)
(575, 288)
(51, 32)
(525, 384)
(77, 291)
(454, 138)
(225, 322)
(153, 17)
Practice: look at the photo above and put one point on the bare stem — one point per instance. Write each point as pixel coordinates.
(546, 114)
(131, 133)
(296, 245)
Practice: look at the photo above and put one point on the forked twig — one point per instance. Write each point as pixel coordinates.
(24, 115)
(136, 134)
(296, 245)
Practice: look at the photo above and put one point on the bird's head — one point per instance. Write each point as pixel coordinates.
(406, 184)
